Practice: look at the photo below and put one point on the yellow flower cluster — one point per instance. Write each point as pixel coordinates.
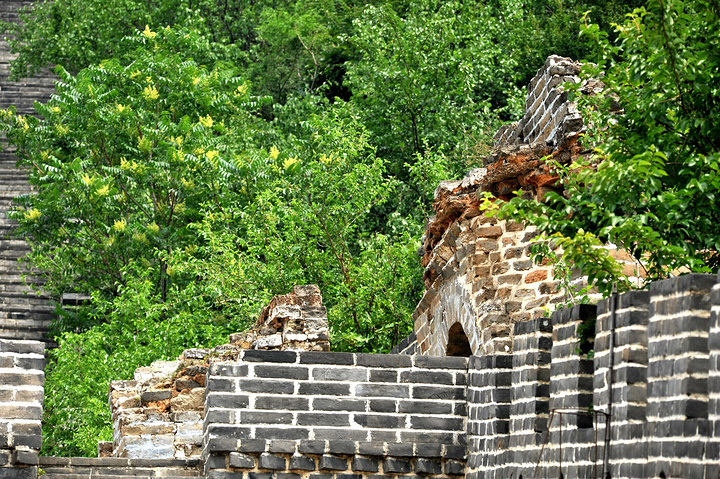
(23, 122)
(241, 90)
(149, 33)
(274, 153)
(33, 214)
(129, 165)
(206, 121)
(103, 190)
(151, 93)
(119, 225)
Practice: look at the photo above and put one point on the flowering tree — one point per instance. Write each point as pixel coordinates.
(123, 157)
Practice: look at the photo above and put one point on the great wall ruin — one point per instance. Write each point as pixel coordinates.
(486, 387)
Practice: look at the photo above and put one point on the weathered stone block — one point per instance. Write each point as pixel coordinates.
(241, 461)
(271, 461)
(302, 463)
(396, 466)
(332, 463)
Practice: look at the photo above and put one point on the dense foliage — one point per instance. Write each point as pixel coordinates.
(201, 156)
(657, 181)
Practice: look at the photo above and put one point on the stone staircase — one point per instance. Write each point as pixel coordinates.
(117, 467)
(24, 314)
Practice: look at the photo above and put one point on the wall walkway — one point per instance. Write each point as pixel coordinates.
(24, 314)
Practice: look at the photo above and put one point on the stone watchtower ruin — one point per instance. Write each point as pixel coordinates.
(486, 387)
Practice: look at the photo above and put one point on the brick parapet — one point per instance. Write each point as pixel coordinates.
(570, 443)
(571, 370)
(628, 447)
(22, 377)
(712, 447)
(117, 467)
(530, 408)
(339, 408)
(678, 364)
(489, 407)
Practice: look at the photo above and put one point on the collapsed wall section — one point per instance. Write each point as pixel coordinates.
(159, 414)
(549, 116)
(306, 413)
(479, 270)
(21, 398)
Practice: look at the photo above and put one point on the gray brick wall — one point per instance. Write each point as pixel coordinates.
(628, 448)
(539, 409)
(319, 414)
(489, 399)
(21, 396)
(117, 467)
(530, 408)
(712, 448)
(678, 362)
(549, 116)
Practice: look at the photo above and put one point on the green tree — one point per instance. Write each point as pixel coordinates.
(657, 177)
(123, 157)
(139, 328)
(429, 75)
(309, 225)
(79, 33)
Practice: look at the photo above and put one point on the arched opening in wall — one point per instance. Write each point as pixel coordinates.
(458, 344)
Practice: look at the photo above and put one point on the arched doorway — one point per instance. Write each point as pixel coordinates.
(458, 344)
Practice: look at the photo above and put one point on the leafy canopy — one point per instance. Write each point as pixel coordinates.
(125, 154)
(656, 182)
